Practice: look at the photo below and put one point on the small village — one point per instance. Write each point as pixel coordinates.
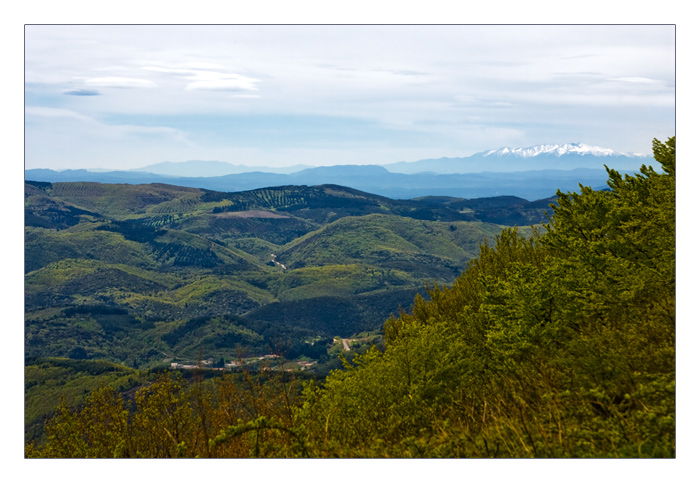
(268, 362)
(209, 364)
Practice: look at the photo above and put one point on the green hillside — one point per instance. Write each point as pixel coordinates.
(556, 342)
(112, 268)
(146, 275)
(429, 249)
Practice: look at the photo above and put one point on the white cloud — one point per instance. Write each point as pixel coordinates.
(52, 112)
(122, 82)
(429, 80)
(61, 138)
(638, 80)
(245, 96)
(204, 78)
(227, 82)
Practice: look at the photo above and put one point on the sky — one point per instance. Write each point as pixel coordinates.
(126, 96)
(483, 87)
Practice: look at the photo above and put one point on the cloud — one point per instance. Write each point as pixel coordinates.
(403, 72)
(481, 102)
(86, 126)
(637, 80)
(208, 79)
(81, 92)
(121, 82)
(431, 83)
(52, 112)
(223, 83)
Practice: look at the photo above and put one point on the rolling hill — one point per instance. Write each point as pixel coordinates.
(145, 275)
(146, 259)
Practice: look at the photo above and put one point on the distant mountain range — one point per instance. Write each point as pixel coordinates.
(530, 173)
(212, 168)
(543, 156)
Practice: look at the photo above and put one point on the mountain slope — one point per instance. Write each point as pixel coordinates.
(471, 181)
(113, 269)
(536, 158)
(197, 168)
(426, 248)
(146, 275)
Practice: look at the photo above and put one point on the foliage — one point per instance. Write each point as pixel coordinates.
(558, 345)
(161, 256)
(169, 418)
(557, 341)
(48, 380)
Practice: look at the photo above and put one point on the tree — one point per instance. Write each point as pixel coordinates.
(558, 344)
(78, 353)
(162, 423)
(99, 429)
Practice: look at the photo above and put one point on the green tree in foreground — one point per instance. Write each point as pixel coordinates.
(561, 344)
(557, 345)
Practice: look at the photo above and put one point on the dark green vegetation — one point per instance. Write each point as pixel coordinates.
(553, 343)
(134, 273)
(146, 275)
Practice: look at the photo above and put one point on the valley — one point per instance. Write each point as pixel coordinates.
(119, 271)
(348, 241)
(146, 276)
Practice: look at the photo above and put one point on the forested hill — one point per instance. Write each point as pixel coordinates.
(553, 343)
(145, 276)
(58, 205)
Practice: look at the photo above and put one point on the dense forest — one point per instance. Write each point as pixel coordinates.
(146, 276)
(555, 341)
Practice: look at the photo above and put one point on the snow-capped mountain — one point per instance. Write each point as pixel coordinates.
(531, 173)
(540, 157)
(557, 150)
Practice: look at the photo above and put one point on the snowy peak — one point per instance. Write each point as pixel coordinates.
(535, 158)
(557, 150)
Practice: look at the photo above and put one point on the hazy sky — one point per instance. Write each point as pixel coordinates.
(121, 97)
